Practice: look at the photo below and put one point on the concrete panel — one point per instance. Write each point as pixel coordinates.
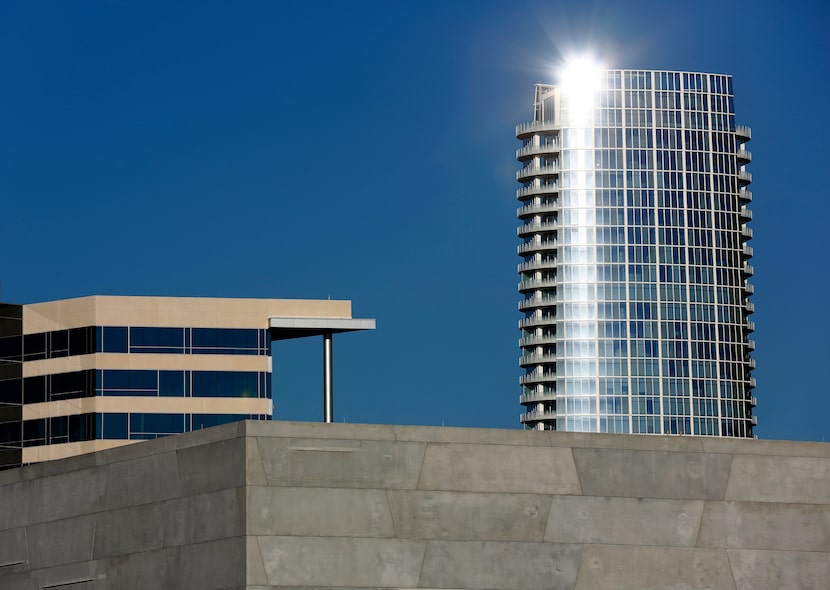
(86, 574)
(141, 571)
(780, 479)
(318, 512)
(652, 474)
(341, 463)
(623, 521)
(470, 516)
(254, 472)
(779, 570)
(215, 565)
(210, 467)
(621, 567)
(130, 530)
(45, 499)
(254, 568)
(13, 551)
(143, 480)
(205, 517)
(494, 468)
(765, 525)
(60, 541)
(499, 566)
(319, 561)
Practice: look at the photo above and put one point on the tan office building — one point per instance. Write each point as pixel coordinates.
(81, 375)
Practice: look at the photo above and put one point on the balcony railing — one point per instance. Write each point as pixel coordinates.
(543, 189)
(525, 129)
(528, 171)
(536, 246)
(745, 195)
(746, 232)
(532, 284)
(536, 208)
(747, 251)
(543, 301)
(749, 307)
(750, 344)
(536, 321)
(536, 359)
(533, 150)
(746, 213)
(743, 131)
(753, 401)
(537, 415)
(537, 377)
(536, 340)
(537, 265)
(751, 364)
(744, 155)
(748, 270)
(536, 396)
(749, 288)
(750, 326)
(744, 176)
(532, 228)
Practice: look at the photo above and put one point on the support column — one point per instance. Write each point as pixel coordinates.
(328, 380)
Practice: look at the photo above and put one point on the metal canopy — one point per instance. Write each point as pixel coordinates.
(286, 328)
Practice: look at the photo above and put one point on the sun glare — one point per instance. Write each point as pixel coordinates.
(579, 81)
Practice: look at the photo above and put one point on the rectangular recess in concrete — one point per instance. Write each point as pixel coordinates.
(652, 474)
(497, 468)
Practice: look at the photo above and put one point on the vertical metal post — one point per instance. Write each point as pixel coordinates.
(328, 381)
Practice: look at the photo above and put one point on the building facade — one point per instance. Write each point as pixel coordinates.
(635, 256)
(86, 374)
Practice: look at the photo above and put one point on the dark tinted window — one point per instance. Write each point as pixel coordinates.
(34, 389)
(10, 391)
(154, 425)
(171, 383)
(157, 340)
(224, 384)
(115, 339)
(114, 426)
(207, 420)
(34, 346)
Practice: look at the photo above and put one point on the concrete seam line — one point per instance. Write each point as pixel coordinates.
(731, 569)
(700, 520)
(576, 471)
(421, 467)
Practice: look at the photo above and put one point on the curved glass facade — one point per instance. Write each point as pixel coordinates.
(635, 257)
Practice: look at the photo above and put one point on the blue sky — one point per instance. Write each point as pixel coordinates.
(364, 151)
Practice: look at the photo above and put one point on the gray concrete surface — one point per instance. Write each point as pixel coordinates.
(256, 506)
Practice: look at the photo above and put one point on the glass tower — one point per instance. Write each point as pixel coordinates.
(635, 256)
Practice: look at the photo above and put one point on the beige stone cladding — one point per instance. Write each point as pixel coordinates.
(284, 505)
(195, 312)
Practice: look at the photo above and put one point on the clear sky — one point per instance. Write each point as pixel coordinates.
(365, 151)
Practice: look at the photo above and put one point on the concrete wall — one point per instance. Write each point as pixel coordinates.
(261, 505)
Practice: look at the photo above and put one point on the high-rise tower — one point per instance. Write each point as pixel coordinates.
(635, 256)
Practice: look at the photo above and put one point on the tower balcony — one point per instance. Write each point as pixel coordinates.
(753, 401)
(538, 301)
(525, 130)
(537, 416)
(754, 420)
(536, 359)
(745, 195)
(536, 208)
(749, 288)
(537, 377)
(533, 284)
(743, 132)
(750, 326)
(749, 307)
(536, 340)
(536, 246)
(537, 396)
(747, 251)
(745, 213)
(751, 364)
(746, 233)
(537, 265)
(535, 321)
(750, 344)
(532, 171)
(744, 176)
(529, 151)
(744, 155)
(542, 189)
(535, 228)
(748, 270)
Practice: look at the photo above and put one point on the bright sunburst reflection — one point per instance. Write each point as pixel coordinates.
(579, 80)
